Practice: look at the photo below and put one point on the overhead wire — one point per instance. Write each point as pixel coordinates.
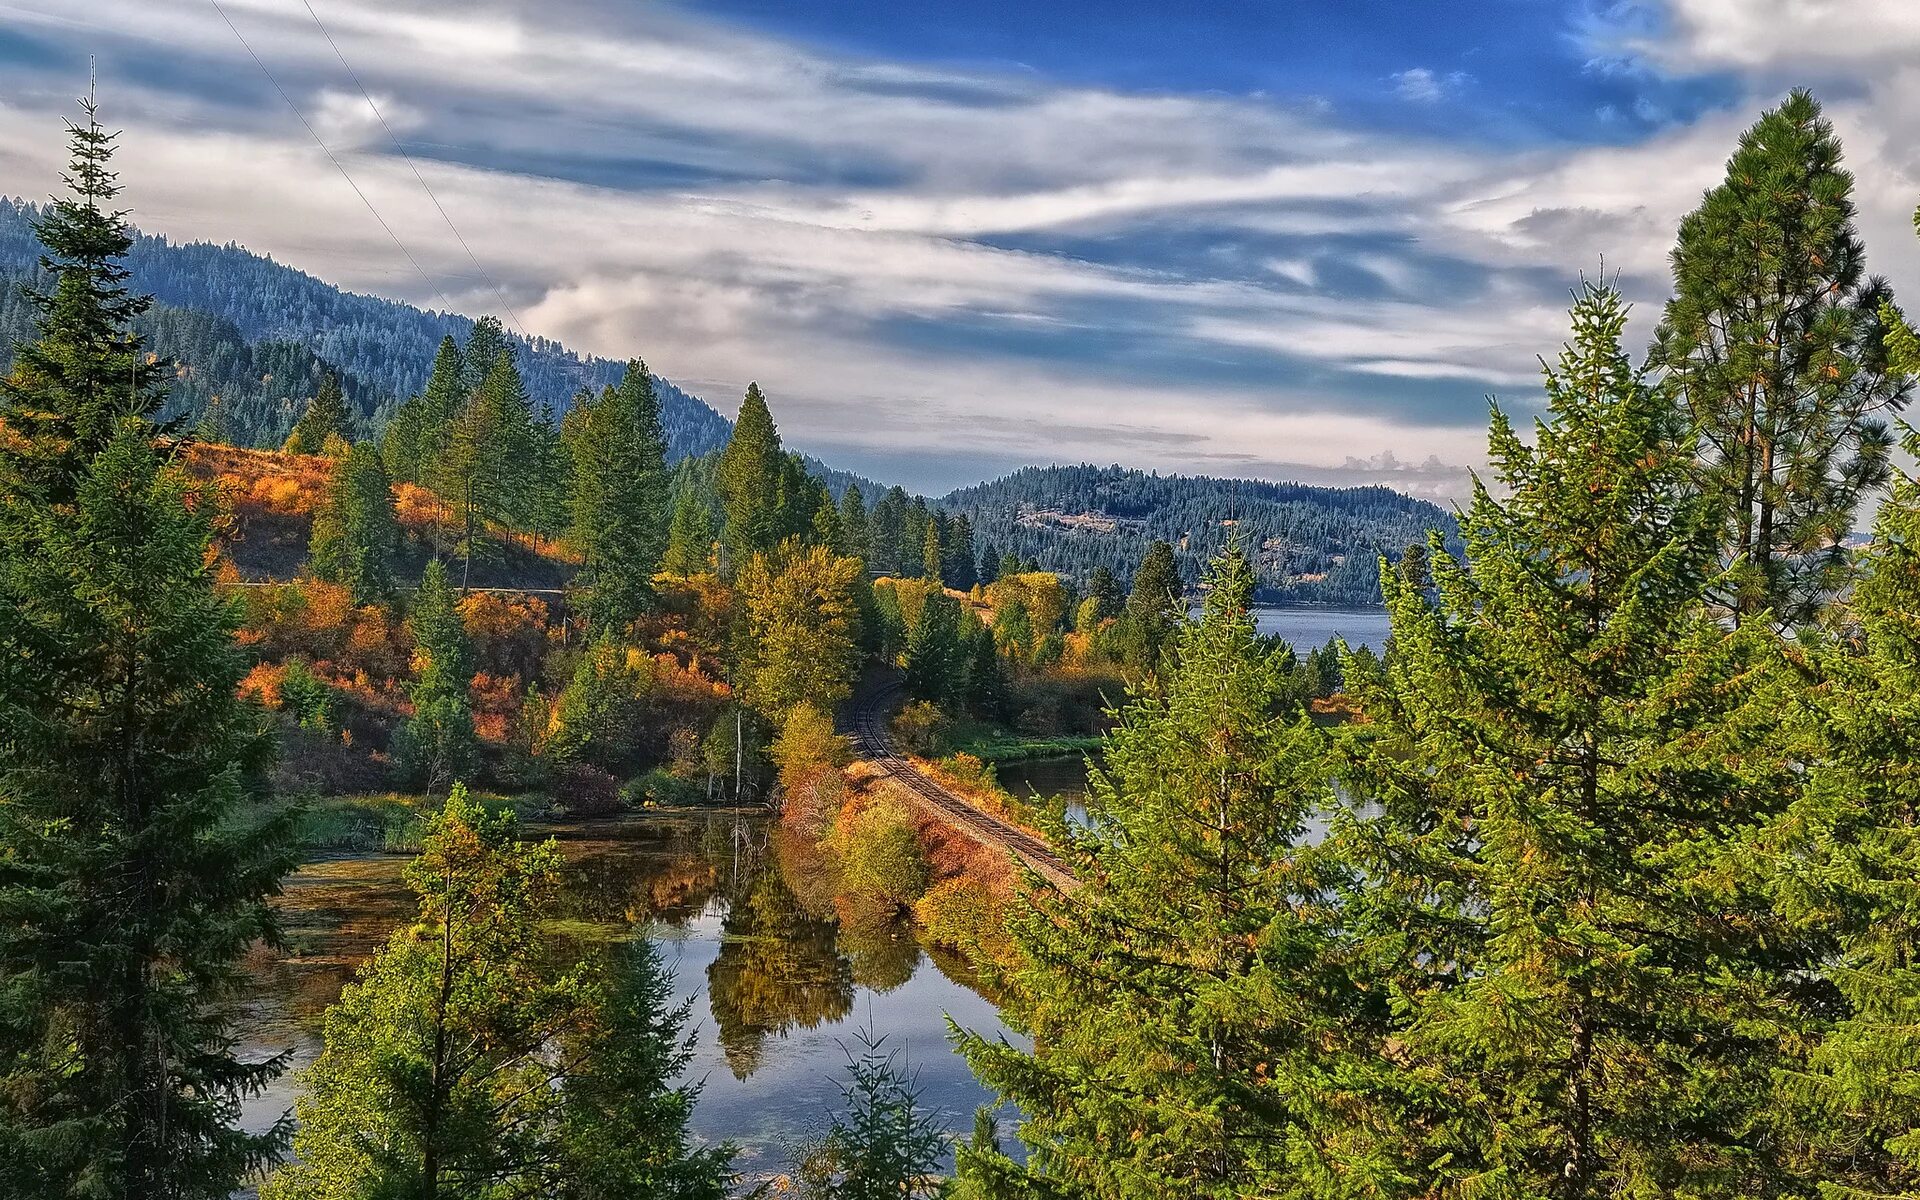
(401, 149)
(332, 157)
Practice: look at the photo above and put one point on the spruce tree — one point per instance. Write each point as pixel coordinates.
(356, 536)
(1852, 874)
(959, 568)
(1568, 754)
(73, 384)
(1154, 605)
(620, 493)
(1177, 1000)
(747, 480)
(690, 538)
(417, 435)
(856, 537)
(989, 569)
(936, 657)
(136, 864)
(327, 417)
(436, 745)
(479, 468)
(471, 1059)
(1774, 342)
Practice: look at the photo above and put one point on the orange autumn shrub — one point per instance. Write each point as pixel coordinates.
(262, 481)
(262, 684)
(510, 634)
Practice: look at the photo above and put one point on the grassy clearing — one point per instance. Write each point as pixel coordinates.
(994, 745)
(391, 821)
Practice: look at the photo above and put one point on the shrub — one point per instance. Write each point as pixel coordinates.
(880, 858)
(662, 789)
(921, 728)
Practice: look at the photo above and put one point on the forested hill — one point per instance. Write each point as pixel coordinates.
(1312, 545)
(259, 333)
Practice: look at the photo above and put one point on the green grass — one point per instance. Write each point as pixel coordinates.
(390, 821)
(994, 745)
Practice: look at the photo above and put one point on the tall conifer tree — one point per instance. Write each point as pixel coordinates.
(1773, 340)
(356, 536)
(134, 867)
(71, 386)
(620, 496)
(436, 745)
(327, 418)
(1852, 874)
(1176, 997)
(1569, 753)
(748, 479)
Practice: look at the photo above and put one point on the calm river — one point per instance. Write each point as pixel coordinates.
(777, 984)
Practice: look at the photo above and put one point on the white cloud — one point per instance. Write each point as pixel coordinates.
(1424, 85)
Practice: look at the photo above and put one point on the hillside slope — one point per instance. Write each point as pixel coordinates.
(1311, 545)
(219, 307)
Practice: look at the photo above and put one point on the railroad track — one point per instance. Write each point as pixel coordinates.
(876, 746)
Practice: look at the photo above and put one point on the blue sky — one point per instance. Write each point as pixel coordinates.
(1284, 239)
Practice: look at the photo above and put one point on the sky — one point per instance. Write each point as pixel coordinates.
(1287, 239)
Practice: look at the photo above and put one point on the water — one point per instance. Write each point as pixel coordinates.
(1311, 628)
(778, 984)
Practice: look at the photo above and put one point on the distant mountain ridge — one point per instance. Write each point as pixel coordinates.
(383, 347)
(1310, 545)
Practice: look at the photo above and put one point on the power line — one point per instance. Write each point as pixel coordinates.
(331, 157)
(499, 291)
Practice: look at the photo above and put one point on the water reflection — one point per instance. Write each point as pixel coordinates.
(779, 968)
(778, 975)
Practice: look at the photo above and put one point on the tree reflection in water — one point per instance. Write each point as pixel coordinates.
(779, 968)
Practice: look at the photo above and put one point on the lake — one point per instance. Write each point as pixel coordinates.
(1311, 628)
(1064, 778)
(777, 984)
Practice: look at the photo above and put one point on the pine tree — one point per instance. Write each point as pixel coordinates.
(855, 534)
(136, 864)
(1773, 339)
(1568, 753)
(356, 536)
(326, 418)
(1178, 1000)
(71, 387)
(690, 539)
(620, 492)
(747, 480)
(436, 745)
